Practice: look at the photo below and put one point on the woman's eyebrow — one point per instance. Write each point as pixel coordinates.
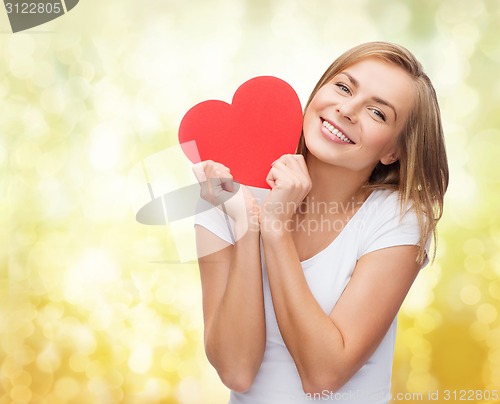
(353, 81)
(379, 100)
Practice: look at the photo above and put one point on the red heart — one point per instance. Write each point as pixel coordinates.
(263, 122)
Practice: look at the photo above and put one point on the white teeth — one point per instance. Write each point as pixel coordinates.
(336, 132)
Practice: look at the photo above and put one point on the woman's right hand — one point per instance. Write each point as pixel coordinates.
(219, 189)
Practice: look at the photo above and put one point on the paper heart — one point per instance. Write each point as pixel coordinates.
(263, 122)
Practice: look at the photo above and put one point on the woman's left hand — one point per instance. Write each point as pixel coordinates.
(290, 183)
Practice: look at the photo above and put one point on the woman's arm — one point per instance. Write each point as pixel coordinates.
(329, 349)
(231, 278)
(233, 308)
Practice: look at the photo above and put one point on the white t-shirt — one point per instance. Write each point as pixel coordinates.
(374, 226)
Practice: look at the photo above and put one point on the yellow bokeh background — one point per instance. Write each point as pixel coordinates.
(97, 308)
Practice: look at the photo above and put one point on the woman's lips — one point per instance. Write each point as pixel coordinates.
(334, 133)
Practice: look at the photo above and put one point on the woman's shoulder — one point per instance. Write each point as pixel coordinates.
(381, 200)
(387, 223)
(385, 205)
(389, 200)
(383, 195)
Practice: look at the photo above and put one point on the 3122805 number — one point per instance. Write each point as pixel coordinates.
(33, 8)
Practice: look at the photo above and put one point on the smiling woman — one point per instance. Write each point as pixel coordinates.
(302, 300)
(421, 155)
(357, 107)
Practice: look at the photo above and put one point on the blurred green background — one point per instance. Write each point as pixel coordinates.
(96, 308)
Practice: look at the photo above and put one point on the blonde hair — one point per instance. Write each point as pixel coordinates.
(421, 173)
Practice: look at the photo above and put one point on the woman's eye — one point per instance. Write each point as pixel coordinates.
(379, 114)
(343, 88)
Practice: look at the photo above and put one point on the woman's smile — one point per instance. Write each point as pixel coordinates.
(334, 133)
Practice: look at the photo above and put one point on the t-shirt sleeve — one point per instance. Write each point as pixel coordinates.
(389, 229)
(214, 220)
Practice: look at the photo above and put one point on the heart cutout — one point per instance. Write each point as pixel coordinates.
(263, 122)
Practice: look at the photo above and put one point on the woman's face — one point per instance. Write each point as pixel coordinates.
(354, 120)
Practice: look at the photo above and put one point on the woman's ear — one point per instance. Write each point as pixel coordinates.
(389, 159)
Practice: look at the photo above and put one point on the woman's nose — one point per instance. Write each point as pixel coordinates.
(347, 110)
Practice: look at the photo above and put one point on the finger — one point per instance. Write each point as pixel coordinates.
(203, 169)
(220, 165)
(271, 178)
(296, 164)
(209, 191)
(292, 162)
(217, 165)
(286, 171)
(227, 183)
(199, 172)
(281, 175)
(271, 183)
(223, 177)
(281, 159)
(299, 158)
(217, 170)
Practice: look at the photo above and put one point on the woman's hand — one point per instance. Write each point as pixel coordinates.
(290, 183)
(219, 189)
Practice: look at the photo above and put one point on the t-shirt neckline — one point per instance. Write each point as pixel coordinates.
(343, 231)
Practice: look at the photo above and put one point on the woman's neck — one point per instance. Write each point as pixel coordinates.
(335, 184)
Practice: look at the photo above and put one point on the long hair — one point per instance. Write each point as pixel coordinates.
(421, 173)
